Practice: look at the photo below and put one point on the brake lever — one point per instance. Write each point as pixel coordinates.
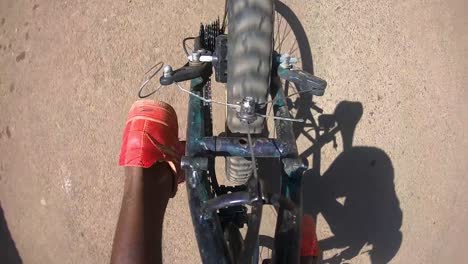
(187, 72)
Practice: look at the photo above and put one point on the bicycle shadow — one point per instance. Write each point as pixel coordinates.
(8, 252)
(356, 194)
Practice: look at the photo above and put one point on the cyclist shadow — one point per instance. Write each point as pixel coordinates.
(8, 252)
(356, 194)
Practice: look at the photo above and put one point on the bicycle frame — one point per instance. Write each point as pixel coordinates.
(200, 152)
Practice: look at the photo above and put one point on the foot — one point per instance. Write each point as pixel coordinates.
(150, 136)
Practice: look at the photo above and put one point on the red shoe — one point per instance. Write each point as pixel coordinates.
(151, 135)
(309, 244)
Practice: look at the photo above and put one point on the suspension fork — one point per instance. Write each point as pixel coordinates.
(288, 225)
(208, 230)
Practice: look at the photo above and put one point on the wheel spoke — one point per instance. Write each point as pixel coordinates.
(293, 47)
(277, 35)
(285, 35)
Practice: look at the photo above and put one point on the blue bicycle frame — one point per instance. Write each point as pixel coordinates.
(202, 148)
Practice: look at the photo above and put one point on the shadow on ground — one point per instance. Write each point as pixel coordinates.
(356, 194)
(8, 252)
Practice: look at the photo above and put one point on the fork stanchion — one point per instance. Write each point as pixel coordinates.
(208, 230)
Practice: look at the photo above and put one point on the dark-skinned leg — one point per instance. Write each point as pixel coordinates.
(138, 235)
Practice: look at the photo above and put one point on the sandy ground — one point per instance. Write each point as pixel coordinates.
(69, 71)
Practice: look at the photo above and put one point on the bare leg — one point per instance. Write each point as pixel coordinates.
(139, 230)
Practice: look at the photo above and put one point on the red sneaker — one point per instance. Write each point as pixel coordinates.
(309, 244)
(151, 135)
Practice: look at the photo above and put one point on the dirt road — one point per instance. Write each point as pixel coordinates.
(392, 189)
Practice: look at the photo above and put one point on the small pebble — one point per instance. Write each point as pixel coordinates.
(21, 56)
(8, 132)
